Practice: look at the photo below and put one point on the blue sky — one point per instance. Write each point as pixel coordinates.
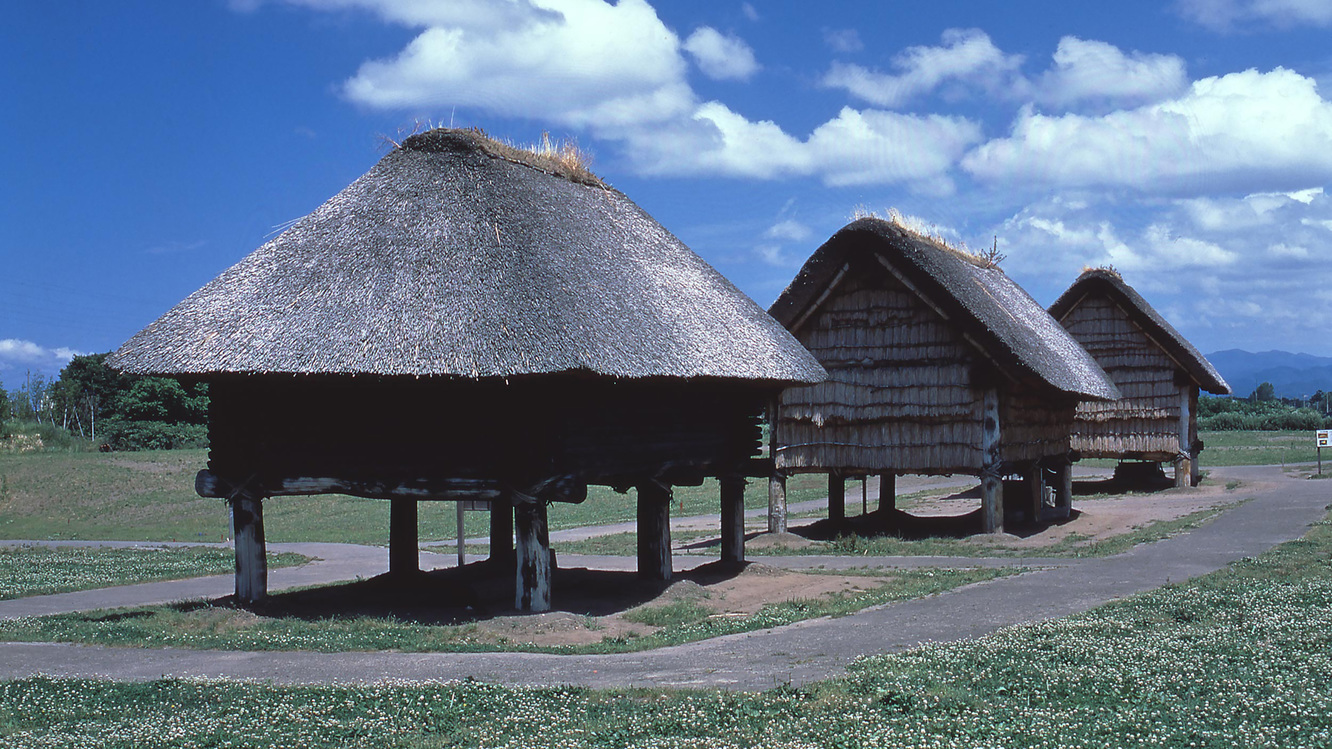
(146, 146)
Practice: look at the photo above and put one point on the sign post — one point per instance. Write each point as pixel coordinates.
(1324, 437)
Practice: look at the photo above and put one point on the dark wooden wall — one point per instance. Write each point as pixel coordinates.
(526, 430)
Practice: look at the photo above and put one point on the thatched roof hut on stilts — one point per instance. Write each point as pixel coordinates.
(1158, 372)
(469, 321)
(938, 363)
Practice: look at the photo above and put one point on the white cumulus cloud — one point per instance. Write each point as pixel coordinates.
(1244, 131)
(553, 64)
(855, 148)
(1092, 70)
(721, 56)
(1227, 15)
(17, 354)
(967, 56)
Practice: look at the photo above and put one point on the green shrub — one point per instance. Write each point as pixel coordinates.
(152, 435)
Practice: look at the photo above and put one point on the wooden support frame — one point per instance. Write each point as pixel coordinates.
(1184, 463)
(1035, 485)
(887, 492)
(1195, 473)
(404, 538)
(654, 531)
(777, 502)
(992, 485)
(247, 528)
(836, 498)
(532, 586)
(1063, 490)
(732, 519)
(501, 530)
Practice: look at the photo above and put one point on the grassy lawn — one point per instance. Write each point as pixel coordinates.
(1258, 448)
(41, 570)
(149, 496)
(207, 625)
(1239, 658)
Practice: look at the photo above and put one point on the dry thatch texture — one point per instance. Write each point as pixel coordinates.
(981, 302)
(1107, 284)
(1156, 370)
(912, 333)
(458, 256)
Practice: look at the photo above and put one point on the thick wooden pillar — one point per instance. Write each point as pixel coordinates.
(1035, 480)
(247, 528)
(732, 519)
(777, 502)
(887, 492)
(501, 530)
(1195, 474)
(1184, 463)
(1064, 491)
(404, 538)
(992, 485)
(532, 587)
(836, 498)
(654, 531)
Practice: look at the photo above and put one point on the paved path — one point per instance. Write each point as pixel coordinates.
(797, 653)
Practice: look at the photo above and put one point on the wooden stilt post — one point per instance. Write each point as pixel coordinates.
(654, 531)
(732, 519)
(777, 502)
(1064, 491)
(404, 551)
(992, 485)
(1184, 463)
(462, 533)
(533, 581)
(1195, 474)
(1035, 479)
(864, 495)
(247, 528)
(836, 498)
(501, 530)
(887, 492)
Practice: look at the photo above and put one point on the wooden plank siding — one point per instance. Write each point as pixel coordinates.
(903, 392)
(1145, 422)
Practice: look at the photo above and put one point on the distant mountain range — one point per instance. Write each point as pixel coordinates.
(1293, 375)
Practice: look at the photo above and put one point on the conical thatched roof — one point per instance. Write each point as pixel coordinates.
(1107, 283)
(459, 256)
(994, 312)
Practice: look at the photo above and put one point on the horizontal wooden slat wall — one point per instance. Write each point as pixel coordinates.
(899, 395)
(1034, 426)
(1145, 421)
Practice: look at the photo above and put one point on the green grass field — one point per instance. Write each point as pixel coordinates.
(41, 570)
(1238, 658)
(149, 496)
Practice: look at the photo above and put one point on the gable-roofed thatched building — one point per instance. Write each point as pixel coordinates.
(938, 364)
(471, 321)
(1158, 373)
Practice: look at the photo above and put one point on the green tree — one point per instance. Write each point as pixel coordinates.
(1264, 392)
(5, 412)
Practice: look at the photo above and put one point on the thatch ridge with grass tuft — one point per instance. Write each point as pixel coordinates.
(978, 296)
(459, 256)
(1108, 282)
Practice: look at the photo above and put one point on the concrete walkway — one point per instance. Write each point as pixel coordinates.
(797, 653)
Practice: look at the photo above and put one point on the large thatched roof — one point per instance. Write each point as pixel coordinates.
(994, 312)
(1108, 284)
(458, 256)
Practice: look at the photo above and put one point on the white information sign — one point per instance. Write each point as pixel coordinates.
(1324, 437)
